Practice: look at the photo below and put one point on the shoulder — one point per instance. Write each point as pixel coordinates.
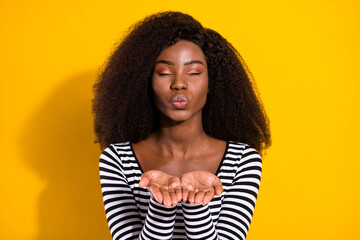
(118, 148)
(243, 152)
(114, 153)
(248, 160)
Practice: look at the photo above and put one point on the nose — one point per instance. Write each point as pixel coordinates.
(178, 83)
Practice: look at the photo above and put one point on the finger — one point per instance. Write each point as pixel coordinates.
(175, 187)
(199, 197)
(218, 191)
(174, 198)
(166, 197)
(217, 186)
(186, 188)
(185, 194)
(207, 198)
(178, 194)
(155, 191)
(144, 181)
(191, 197)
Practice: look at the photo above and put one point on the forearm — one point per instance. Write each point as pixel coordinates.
(240, 198)
(198, 221)
(121, 207)
(232, 211)
(159, 223)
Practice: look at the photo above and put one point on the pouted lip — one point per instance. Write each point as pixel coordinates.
(179, 101)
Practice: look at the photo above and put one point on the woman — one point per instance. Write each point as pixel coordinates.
(180, 119)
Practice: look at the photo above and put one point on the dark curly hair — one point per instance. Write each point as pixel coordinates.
(124, 107)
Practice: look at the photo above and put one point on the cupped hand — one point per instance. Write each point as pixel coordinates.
(200, 187)
(163, 187)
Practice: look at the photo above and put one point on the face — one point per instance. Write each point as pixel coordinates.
(180, 81)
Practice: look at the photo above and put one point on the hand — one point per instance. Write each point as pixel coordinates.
(200, 187)
(163, 187)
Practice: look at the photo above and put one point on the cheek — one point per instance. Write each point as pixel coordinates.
(155, 85)
(205, 87)
(159, 92)
(201, 93)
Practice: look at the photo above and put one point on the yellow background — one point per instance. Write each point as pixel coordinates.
(305, 58)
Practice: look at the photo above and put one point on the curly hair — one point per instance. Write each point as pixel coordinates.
(123, 105)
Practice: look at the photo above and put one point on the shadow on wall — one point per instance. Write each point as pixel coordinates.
(57, 143)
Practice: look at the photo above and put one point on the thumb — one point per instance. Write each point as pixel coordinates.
(144, 181)
(217, 186)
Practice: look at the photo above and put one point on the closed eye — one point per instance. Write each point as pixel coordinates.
(163, 74)
(194, 73)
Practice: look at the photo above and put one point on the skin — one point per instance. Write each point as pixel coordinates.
(180, 160)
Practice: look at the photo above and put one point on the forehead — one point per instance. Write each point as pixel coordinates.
(182, 51)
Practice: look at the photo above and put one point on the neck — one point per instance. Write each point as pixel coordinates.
(178, 138)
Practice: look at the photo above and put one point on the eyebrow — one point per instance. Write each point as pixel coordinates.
(186, 63)
(194, 62)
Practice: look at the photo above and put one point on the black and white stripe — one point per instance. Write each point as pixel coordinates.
(132, 214)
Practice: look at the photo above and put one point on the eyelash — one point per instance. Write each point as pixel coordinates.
(195, 74)
(163, 74)
(168, 74)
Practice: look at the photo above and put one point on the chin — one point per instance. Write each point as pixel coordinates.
(181, 115)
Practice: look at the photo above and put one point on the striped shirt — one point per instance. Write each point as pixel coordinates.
(132, 213)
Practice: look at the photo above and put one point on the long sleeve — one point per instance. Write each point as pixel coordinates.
(122, 212)
(198, 222)
(238, 200)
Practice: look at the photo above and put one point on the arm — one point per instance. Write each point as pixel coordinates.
(237, 206)
(239, 202)
(120, 206)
